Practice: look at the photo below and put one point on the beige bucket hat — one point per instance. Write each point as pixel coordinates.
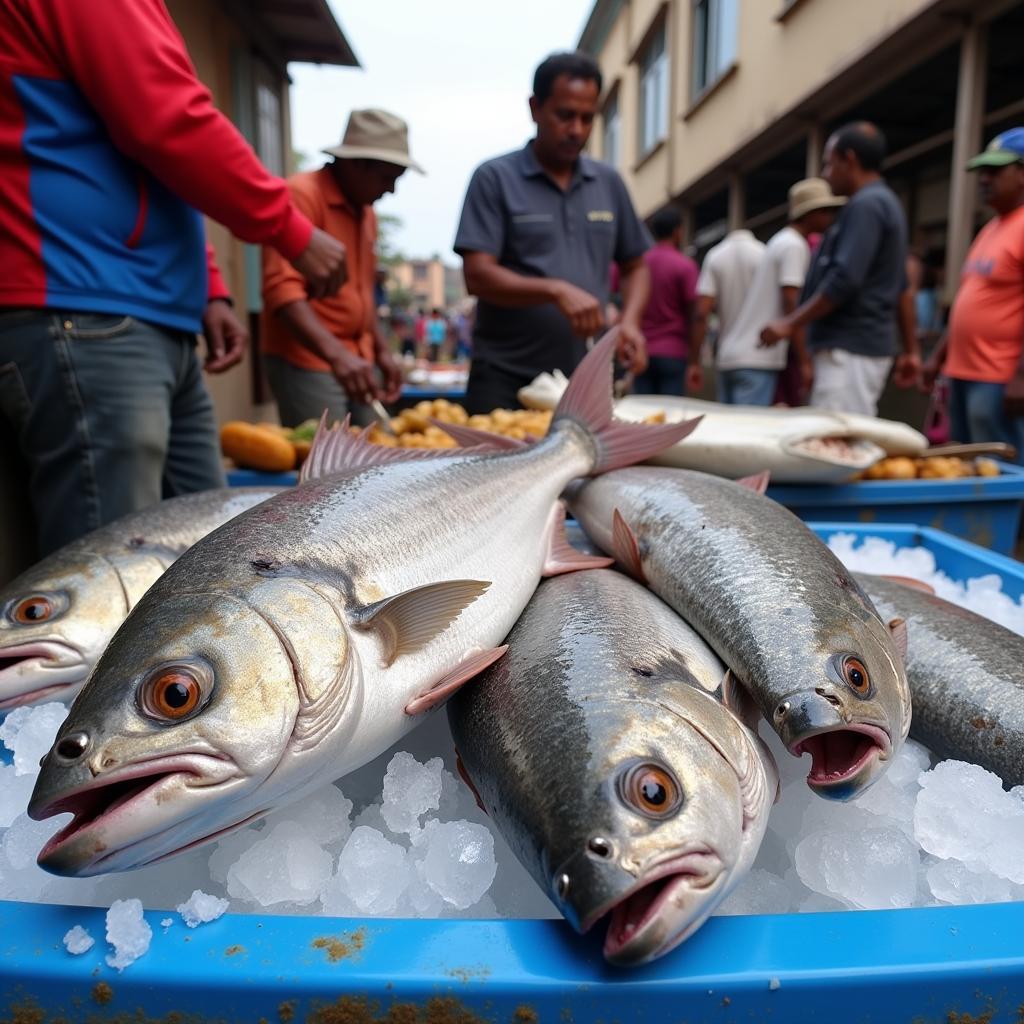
(375, 135)
(811, 194)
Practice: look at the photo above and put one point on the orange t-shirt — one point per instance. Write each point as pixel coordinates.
(986, 325)
(349, 314)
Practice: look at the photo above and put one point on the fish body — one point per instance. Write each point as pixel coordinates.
(774, 603)
(58, 616)
(301, 640)
(797, 445)
(966, 677)
(601, 749)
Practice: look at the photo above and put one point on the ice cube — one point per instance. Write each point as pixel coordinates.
(15, 791)
(128, 932)
(759, 892)
(410, 790)
(373, 872)
(78, 941)
(324, 815)
(200, 908)
(29, 732)
(950, 881)
(286, 866)
(459, 861)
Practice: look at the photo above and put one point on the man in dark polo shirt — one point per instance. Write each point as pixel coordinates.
(857, 302)
(539, 231)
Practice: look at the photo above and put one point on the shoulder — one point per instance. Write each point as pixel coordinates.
(499, 166)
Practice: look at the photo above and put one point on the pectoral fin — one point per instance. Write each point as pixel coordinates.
(738, 699)
(441, 690)
(410, 620)
(898, 631)
(757, 483)
(562, 557)
(626, 548)
(907, 581)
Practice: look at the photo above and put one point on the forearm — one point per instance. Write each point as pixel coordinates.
(306, 328)
(816, 307)
(503, 287)
(636, 290)
(908, 324)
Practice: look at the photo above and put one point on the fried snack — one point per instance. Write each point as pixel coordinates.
(257, 447)
(986, 467)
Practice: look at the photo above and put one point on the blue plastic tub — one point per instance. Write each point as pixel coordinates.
(924, 966)
(984, 510)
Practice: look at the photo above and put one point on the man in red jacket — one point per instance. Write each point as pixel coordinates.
(109, 148)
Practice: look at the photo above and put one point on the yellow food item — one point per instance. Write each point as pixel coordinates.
(655, 417)
(986, 467)
(257, 447)
(900, 468)
(301, 451)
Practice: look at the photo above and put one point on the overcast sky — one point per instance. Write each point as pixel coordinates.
(459, 71)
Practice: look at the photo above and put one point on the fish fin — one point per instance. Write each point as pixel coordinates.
(626, 548)
(562, 557)
(460, 767)
(758, 483)
(484, 439)
(338, 450)
(738, 699)
(907, 581)
(588, 402)
(441, 690)
(410, 620)
(898, 631)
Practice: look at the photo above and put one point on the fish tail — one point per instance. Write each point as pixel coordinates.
(588, 402)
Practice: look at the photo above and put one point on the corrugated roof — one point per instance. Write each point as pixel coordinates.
(306, 31)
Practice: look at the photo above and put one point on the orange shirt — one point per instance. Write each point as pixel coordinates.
(986, 325)
(349, 314)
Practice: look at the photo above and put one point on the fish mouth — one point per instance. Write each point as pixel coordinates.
(640, 926)
(38, 670)
(838, 450)
(841, 757)
(103, 812)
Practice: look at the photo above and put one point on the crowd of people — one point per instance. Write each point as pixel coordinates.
(109, 279)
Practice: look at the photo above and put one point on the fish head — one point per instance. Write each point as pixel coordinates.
(854, 718)
(198, 717)
(55, 620)
(677, 808)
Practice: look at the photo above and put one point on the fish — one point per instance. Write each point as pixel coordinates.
(303, 638)
(602, 750)
(796, 445)
(966, 678)
(58, 615)
(775, 604)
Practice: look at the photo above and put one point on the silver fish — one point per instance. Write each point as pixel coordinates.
(302, 639)
(966, 677)
(775, 604)
(599, 747)
(57, 616)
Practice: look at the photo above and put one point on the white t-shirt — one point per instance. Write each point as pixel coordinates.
(785, 264)
(727, 272)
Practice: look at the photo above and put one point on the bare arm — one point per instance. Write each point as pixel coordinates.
(703, 309)
(908, 364)
(636, 290)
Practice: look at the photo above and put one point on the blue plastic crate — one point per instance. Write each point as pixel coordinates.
(258, 478)
(983, 510)
(926, 966)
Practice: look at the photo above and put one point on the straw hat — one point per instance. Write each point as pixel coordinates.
(811, 194)
(376, 135)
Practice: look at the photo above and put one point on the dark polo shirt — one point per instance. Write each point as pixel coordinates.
(518, 214)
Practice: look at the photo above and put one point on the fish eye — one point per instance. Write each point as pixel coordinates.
(33, 609)
(855, 675)
(172, 692)
(651, 789)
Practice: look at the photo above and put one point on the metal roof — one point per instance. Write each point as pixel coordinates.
(306, 31)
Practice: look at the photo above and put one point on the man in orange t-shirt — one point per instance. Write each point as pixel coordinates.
(330, 353)
(981, 353)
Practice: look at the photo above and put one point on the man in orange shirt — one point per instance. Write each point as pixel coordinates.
(982, 350)
(329, 353)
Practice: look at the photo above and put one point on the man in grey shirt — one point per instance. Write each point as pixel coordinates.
(539, 231)
(857, 305)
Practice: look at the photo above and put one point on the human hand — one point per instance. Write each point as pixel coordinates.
(774, 332)
(323, 263)
(632, 347)
(694, 378)
(929, 372)
(226, 338)
(392, 374)
(580, 308)
(1013, 395)
(806, 377)
(908, 370)
(356, 376)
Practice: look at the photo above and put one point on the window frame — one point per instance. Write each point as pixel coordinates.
(612, 104)
(662, 66)
(711, 36)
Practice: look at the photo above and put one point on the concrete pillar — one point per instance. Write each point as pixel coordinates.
(737, 201)
(815, 144)
(967, 140)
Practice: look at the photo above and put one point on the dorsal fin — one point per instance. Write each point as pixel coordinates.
(472, 437)
(757, 483)
(626, 548)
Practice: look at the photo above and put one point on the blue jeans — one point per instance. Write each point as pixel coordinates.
(747, 387)
(664, 375)
(976, 414)
(110, 415)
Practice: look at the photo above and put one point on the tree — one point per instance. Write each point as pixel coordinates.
(387, 226)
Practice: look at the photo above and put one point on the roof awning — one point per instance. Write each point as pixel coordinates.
(306, 31)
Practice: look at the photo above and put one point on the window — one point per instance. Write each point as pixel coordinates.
(714, 41)
(419, 271)
(653, 92)
(612, 144)
(269, 130)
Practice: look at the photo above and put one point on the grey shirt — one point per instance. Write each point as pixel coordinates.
(861, 266)
(517, 213)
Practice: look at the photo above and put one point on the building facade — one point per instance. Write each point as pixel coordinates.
(718, 106)
(425, 284)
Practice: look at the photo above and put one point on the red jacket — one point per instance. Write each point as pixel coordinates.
(109, 144)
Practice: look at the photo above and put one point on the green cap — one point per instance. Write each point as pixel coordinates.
(1003, 150)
